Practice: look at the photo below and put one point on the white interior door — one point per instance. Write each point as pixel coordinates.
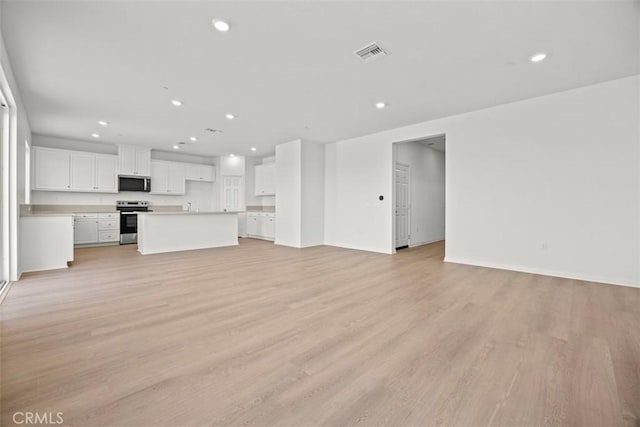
(403, 205)
(232, 193)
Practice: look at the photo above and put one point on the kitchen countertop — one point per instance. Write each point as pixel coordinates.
(190, 213)
(261, 208)
(45, 214)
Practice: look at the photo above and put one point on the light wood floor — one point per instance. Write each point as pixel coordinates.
(265, 335)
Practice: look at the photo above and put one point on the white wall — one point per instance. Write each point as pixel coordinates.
(13, 165)
(357, 172)
(427, 186)
(288, 194)
(299, 194)
(202, 195)
(548, 185)
(312, 197)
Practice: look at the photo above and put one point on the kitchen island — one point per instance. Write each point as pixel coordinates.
(182, 231)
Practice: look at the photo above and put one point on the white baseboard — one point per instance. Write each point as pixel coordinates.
(4, 289)
(562, 274)
(428, 242)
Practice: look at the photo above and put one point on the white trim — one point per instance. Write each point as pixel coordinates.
(427, 242)
(543, 272)
(4, 289)
(4, 190)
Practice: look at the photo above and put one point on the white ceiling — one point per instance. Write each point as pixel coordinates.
(287, 69)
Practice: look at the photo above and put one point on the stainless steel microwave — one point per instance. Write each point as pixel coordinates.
(134, 183)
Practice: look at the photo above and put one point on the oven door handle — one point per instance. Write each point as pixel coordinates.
(128, 213)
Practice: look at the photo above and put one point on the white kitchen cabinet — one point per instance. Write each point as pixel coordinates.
(51, 169)
(85, 228)
(196, 172)
(252, 225)
(109, 227)
(96, 228)
(93, 172)
(64, 170)
(261, 225)
(176, 184)
(134, 161)
(82, 171)
(269, 227)
(167, 178)
(265, 179)
(106, 173)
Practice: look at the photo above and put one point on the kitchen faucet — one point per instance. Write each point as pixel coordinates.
(188, 206)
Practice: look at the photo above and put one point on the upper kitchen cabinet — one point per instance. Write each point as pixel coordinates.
(196, 172)
(51, 169)
(265, 179)
(106, 173)
(63, 170)
(167, 178)
(134, 161)
(93, 172)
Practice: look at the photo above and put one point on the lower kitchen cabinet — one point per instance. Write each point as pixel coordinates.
(85, 228)
(261, 225)
(96, 228)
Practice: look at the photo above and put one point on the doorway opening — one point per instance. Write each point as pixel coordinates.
(418, 192)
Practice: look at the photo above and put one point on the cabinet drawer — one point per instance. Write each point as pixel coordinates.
(109, 224)
(109, 236)
(86, 215)
(109, 215)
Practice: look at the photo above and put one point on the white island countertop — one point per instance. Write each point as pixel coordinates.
(182, 231)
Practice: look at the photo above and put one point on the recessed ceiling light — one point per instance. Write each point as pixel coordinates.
(95, 135)
(176, 102)
(220, 25)
(230, 116)
(538, 57)
(102, 123)
(193, 138)
(380, 105)
(232, 155)
(175, 147)
(253, 148)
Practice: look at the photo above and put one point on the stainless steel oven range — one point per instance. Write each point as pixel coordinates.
(129, 219)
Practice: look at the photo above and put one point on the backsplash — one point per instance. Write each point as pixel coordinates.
(201, 195)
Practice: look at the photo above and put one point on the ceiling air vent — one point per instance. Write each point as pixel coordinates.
(370, 52)
(213, 130)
